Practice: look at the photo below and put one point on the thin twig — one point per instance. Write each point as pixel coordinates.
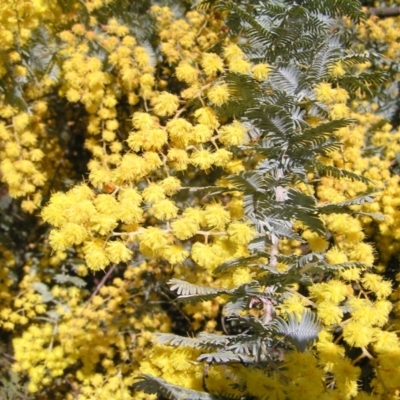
(99, 286)
(9, 357)
(384, 12)
(365, 353)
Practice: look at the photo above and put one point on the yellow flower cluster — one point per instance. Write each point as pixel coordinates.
(18, 21)
(84, 336)
(20, 157)
(25, 306)
(88, 81)
(159, 147)
(335, 98)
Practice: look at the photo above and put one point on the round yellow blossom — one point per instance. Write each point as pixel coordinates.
(141, 56)
(333, 291)
(186, 72)
(233, 134)
(178, 158)
(21, 121)
(165, 104)
(325, 93)
(202, 159)
(108, 136)
(339, 110)
(150, 139)
(239, 65)
(329, 313)
(219, 94)
(175, 254)
(207, 116)
(143, 121)
(201, 133)
(345, 369)
(117, 252)
(337, 70)
(264, 387)
(153, 238)
(152, 161)
(336, 256)
(316, 242)
(165, 209)
(351, 274)
(382, 310)
(376, 284)
(74, 233)
(341, 95)
(171, 185)
(147, 80)
(153, 193)
(385, 341)
(357, 334)
(341, 224)
(95, 256)
(231, 51)
(106, 204)
(261, 71)
(216, 216)
(131, 168)
(130, 195)
(293, 304)
(104, 223)
(73, 95)
(241, 232)
(53, 213)
(328, 351)
(242, 275)
(57, 240)
(222, 157)
(204, 255)
(185, 228)
(211, 64)
(362, 252)
(180, 131)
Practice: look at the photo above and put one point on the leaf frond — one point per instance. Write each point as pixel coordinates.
(152, 385)
(299, 331)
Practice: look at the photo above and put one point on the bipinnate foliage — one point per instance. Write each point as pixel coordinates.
(301, 43)
(151, 385)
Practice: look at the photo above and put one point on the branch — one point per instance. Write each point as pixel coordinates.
(384, 12)
(99, 286)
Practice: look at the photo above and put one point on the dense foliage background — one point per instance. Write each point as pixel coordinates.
(199, 200)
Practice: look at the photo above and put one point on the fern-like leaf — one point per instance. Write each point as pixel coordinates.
(75, 280)
(152, 385)
(250, 261)
(286, 79)
(300, 332)
(190, 291)
(225, 357)
(339, 173)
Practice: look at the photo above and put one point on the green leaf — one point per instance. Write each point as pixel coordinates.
(75, 280)
(339, 173)
(299, 331)
(152, 385)
(43, 289)
(189, 291)
(225, 357)
(250, 261)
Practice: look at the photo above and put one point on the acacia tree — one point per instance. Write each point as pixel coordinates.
(230, 153)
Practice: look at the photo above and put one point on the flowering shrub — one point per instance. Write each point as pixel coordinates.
(240, 157)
